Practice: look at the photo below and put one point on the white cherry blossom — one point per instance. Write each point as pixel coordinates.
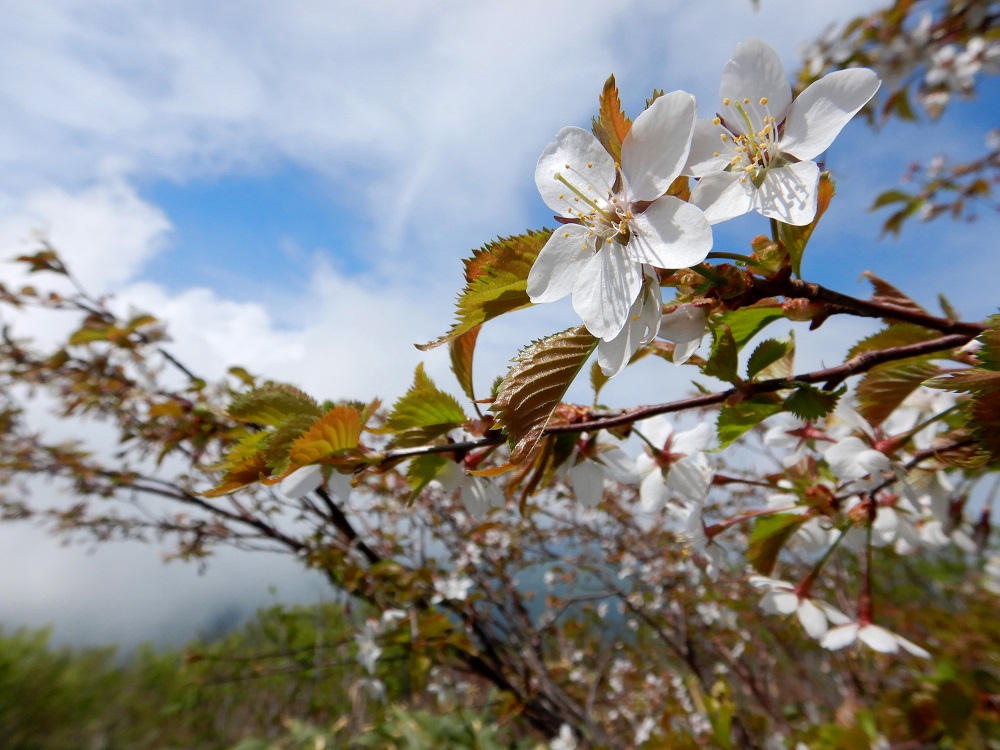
(685, 328)
(619, 216)
(640, 328)
(479, 494)
(756, 155)
(681, 466)
(591, 464)
(875, 637)
(782, 598)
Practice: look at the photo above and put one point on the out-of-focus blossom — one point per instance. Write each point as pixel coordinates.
(680, 465)
(875, 637)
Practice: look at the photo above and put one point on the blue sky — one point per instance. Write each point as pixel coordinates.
(292, 187)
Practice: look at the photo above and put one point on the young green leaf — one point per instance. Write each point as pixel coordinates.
(423, 412)
(769, 536)
(496, 282)
(747, 322)
(461, 350)
(810, 403)
(769, 353)
(724, 359)
(271, 404)
(737, 419)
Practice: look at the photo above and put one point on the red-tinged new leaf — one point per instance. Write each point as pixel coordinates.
(497, 282)
(243, 464)
(769, 536)
(973, 380)
(461, 350)
(272, 404)
(887, 293)
(611, 125)
(333, 434)
(536, 384)
(281, 440)
(795, 238)
(896, 334)
(989, 354)
(883, 388)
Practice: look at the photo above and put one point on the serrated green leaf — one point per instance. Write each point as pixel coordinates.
(242, 465)
(271, 404)
(331, 436)
(795, 238)
(423, 412)
(280, 442)
(989, 354)
(497, 282)
(973, 380)
(769, 352)
(769, 536)
(422, 469)
(737, 419)
(810, 403)
(723, 362)
(883, 388)
(597, 379)
(896, 334)
(747, 322)
(611, 125)
(535, 385)
(461, 350)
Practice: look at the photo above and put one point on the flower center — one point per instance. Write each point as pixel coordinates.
(606, 217)
(754, 134)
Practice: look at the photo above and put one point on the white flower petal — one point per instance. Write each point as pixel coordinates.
(587, 479)
(618, 465)
(812, 618)
(656, 147)
(653, 493)
(479, 495)
(790, 194)
(685, 327)
(302, 481)
(657, 430)
(340, 486)
(576, 148)
(755, 71)
(913, 648)
(878, 639)
(840, 636)
(722, 196)
(559, 263)
(705, 144)
(670, 234)
(605, 290)
(820, 112)
(694, 440)
(691, 477)
(779, 602)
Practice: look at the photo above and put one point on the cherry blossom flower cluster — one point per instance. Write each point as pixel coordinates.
(618, 222)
